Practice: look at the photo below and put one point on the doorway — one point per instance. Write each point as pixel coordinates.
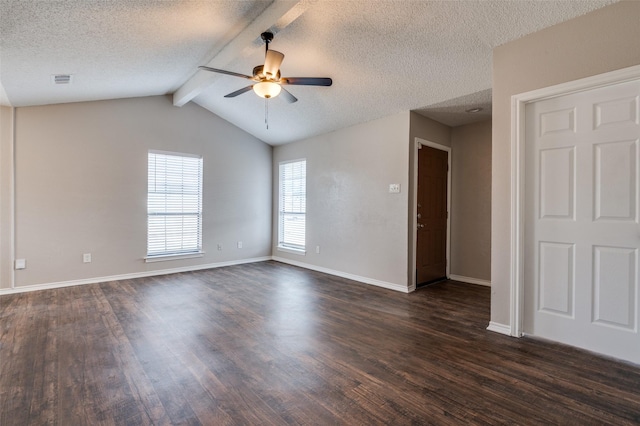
(433, 188)
(581, 215)
(576, 163)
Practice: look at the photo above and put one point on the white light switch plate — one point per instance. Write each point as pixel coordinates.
(21, 263)
(394, 188)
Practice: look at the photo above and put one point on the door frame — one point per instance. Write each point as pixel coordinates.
(518, 138)
(419, 143)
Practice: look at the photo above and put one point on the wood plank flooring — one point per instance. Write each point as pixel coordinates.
(272, 344)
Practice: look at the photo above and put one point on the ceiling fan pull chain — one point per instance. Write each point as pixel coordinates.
(266, 112)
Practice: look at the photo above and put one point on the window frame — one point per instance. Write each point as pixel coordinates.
(197, 212)
(282, 244)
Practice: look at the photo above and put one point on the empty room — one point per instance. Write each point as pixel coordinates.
(270, 212)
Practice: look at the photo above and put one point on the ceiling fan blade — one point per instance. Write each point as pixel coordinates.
(307, 81)
(235, 74)
(272, 61)
(239, 92)
(288, 96)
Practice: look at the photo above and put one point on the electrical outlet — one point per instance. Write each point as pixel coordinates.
(21, 263)
(394, 188)
(86, 258)
(239, 244)
(318, 249)
(219, 246)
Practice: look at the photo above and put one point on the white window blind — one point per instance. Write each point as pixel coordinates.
(293, 204)
(174, 204)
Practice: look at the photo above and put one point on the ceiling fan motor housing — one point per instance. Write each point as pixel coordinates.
(258, 73)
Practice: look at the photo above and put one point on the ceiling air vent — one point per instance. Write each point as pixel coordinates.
(61, 78)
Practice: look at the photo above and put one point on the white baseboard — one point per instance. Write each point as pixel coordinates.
(96, 280)
(378, 283)
(469, 280)
(499, 328)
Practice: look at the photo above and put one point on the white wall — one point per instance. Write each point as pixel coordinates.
(601, 41)
(6, 184)
(360, 227)
(81, 187)
(471, 201)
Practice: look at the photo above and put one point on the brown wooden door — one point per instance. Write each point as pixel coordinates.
(431, 253)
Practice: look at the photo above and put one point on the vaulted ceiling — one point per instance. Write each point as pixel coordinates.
(384, 56)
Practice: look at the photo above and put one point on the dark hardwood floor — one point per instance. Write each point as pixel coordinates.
(272, 344)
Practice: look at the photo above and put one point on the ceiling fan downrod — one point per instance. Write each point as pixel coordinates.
(267, 36)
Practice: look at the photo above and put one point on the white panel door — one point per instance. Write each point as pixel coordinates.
(582, 224)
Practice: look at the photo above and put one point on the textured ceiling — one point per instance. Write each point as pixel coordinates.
(384, 56)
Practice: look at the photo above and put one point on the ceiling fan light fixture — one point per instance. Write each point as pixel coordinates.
(267, 89)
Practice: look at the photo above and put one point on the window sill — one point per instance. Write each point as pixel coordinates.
(300, 252)
(165, 257)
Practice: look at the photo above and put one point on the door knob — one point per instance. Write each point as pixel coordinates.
(419, 215)
(420, 225)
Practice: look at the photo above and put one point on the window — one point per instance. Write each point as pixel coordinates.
(293, 205)
(174, 204)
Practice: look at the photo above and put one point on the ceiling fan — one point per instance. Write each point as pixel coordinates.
(267, 80)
